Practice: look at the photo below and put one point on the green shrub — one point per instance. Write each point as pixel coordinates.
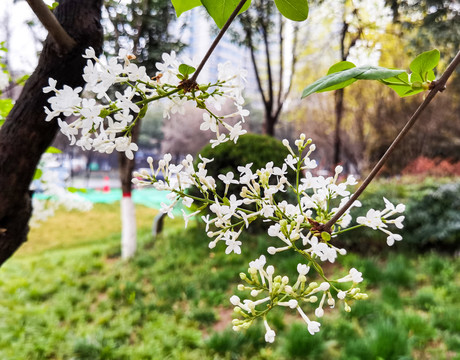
(251, 148)
(434, 221)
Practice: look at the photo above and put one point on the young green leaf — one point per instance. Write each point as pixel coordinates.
(53, 150)
(422, 66)
(38, 174)
(182, 6)
(74, 189)
(340, 79)
(340, 66)
(186, 70)
(400, 84)
(221, 10)
(296, 10)
(5, 106)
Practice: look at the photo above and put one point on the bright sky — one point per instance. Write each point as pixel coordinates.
(23, 42)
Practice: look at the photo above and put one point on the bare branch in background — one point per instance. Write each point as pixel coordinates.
(52, 25)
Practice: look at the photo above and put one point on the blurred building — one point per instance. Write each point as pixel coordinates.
(197, 31)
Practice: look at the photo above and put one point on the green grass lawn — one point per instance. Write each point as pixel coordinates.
(67, 295)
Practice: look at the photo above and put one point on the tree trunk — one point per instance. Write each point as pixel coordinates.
(128, 211)
(269, 124)
(338, 121)
(25, 135)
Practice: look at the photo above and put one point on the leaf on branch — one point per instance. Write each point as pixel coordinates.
(296, 10)
(221, 10)
(401, 84)
(53, 150)
(186, 70)
(5, 107)
(74, 189)
(345, 73)
(53, 6)
(182, 6)
(422, 66)
(38, 174)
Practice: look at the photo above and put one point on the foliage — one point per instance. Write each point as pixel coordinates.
(76, 300)
(432, 216)
(345, 73)
(434, 221)
(220, 11)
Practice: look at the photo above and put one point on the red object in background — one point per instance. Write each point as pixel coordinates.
(106, 187)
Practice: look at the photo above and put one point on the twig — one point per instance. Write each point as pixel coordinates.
(217, 39)
(437, 86)
(52, 25)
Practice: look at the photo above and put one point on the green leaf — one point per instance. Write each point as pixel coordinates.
(182, 6)
(296, 10)
(400, 84)
(423, 65)
(53, 150)
(53, 6)
(220, 10)
(340, 66)
(340, 79)
(38, 174)
(186, 70)
(22, 79)
(5, 107)
(74, 189)
(325, 236)
(1, 122)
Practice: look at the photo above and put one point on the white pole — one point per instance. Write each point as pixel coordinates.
(128, 227)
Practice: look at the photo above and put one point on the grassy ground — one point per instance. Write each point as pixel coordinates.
(67, 295)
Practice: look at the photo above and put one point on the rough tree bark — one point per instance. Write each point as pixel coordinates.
(25, 135)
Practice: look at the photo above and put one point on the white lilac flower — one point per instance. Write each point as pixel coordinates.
(354, 275)
(269, 334)
(313, 326)
(373, 219)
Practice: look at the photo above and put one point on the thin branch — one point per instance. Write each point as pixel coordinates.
(52, 25)
(217, 39)
(293, 65)
(281, 72)
(254, 63)
(269, 104)
(437, 86)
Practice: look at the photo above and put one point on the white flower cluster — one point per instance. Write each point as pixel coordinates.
(106, 125)
(53, 194)
(262, 280)
(298, 226)
(379, 219)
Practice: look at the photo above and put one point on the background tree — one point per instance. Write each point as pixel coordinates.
(142, 27)
(25, 135)
(265, 35)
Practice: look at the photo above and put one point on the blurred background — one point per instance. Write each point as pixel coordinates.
(67, 294)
